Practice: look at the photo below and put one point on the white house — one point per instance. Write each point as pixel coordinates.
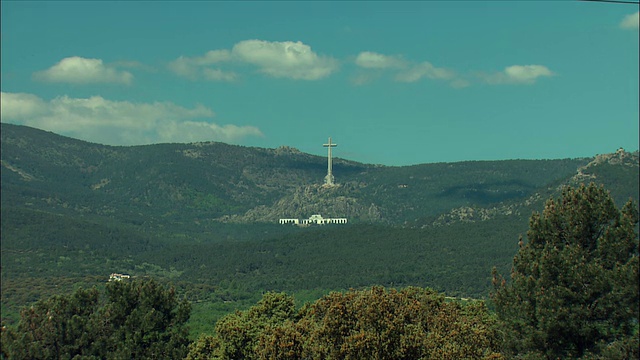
(118, 277)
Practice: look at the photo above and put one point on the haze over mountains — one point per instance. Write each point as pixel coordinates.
(205, 215)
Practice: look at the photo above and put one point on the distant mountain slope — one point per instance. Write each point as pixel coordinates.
(617, 172)
(204, 183)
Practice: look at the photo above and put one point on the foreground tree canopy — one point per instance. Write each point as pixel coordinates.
(369, 324)
(138, 320)
(574, 285)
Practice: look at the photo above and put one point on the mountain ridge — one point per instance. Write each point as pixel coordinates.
(217, 182)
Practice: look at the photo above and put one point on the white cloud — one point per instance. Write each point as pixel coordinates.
(424, 70)
(372, 60)
(631, 21)
(213, 57)
(119, 122)
(194, 131)
(78, 70)
(518, 74)
(374, 64)
(526, 73)
(184, 67)
(287, 59)
(18, 106)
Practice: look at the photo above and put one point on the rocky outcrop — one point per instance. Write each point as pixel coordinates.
(313, 199)
(620, 157)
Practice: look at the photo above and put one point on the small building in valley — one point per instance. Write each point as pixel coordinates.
(118, 277)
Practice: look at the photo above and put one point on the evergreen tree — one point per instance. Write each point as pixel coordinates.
(146, 321)
(139, 320)
(60, 327)
(574, 285)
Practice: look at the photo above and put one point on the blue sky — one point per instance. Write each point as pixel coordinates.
(394, 83)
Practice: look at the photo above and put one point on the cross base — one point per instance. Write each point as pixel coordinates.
(329, 180)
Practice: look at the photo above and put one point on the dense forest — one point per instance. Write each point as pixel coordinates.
(197, 224)
(43, 252)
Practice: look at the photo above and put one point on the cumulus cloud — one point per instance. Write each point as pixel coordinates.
(372, 60)
(288, 59)
(293, 60)
(631, 22)
(119, 122)
(79, 70)
(518, 74)
(373, 65)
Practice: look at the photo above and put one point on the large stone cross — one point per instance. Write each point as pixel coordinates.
(328, 180)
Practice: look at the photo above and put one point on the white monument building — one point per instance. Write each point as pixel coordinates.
(315, 219)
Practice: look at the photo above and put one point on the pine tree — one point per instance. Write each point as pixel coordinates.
(574, 284)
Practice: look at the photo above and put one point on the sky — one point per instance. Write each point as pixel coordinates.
(393, 83)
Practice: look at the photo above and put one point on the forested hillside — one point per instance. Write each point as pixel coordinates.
(204, 217)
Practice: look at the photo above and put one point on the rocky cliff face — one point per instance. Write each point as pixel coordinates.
(331, 201)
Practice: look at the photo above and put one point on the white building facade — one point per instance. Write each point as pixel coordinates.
(315, 219)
